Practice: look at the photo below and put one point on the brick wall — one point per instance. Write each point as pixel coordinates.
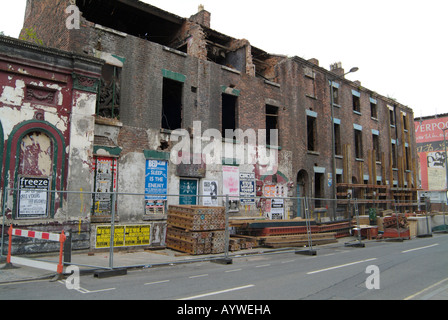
(47, 19)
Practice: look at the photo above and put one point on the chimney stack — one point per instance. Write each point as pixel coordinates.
(203, 17)
(337, 69)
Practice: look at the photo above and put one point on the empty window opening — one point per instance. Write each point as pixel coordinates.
(318, 189)
(172, 104)
(335, 95)
(339, 178)
(392, 117)
(408, 158)
(358, 144)
(373, 110)
(108, 102)
(337, 140)
(271, 122)
(394, 155)
(376, 147)
(356, 104)
(229, 112)
(310, 83)
(312, 133)
(405, 122)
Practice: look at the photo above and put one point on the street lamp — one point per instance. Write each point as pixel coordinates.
(333, 153)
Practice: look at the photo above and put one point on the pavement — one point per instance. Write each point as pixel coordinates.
(89, 263)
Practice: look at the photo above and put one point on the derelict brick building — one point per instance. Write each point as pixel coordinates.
(163, 72)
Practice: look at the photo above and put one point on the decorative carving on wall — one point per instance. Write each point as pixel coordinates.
(39, 95)
(84, 83)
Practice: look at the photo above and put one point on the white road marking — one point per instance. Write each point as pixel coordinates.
(288, 261)
(234, 270)
(421, 248)
(198, 276)
(84, 291)
(157, 282)
(218, 292)
(341, 266)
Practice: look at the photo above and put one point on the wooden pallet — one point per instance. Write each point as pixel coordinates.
(195, 243)
(237, 243)
(196, 218)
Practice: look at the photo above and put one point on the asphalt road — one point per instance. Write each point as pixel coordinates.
(380, 271)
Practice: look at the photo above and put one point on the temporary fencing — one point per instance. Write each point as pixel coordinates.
(211, 228)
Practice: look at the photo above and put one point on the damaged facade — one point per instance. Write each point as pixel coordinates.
(47, 122)
(162, 72)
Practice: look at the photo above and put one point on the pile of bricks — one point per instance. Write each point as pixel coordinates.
(196, 230)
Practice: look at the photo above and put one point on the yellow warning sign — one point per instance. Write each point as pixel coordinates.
(124, 236)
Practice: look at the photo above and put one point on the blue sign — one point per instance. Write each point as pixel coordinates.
(156, 181)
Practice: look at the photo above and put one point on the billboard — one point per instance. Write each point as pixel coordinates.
(431, 152)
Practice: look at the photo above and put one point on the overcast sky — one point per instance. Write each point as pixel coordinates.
(400, 46)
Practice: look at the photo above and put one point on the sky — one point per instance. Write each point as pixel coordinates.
(399, 46)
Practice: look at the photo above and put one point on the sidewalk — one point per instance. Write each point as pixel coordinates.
(89, 263)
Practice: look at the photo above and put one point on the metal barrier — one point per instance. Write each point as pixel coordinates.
(33, 263)
(81, 209)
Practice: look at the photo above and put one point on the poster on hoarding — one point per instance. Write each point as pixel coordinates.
(210, 193)
(247, 188)
(156, 186)
(124, 236)
(105, 182)
(277, 209)
(230, 178)
(188, 190)
(33, 197)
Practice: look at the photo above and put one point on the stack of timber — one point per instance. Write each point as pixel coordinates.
(196, 230)
(299, 240)
(262, 228)
(290, 233)
(239, 242)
